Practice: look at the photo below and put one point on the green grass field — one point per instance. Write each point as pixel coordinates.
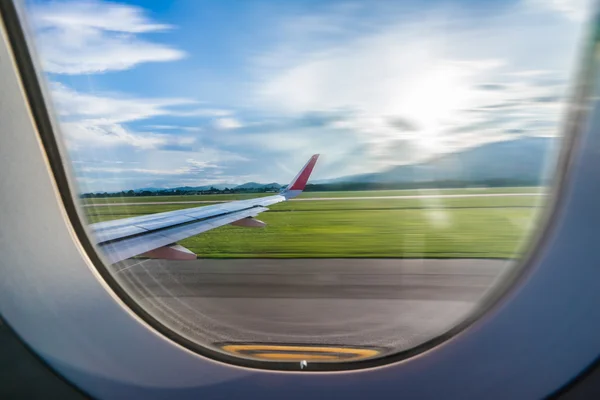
(475, 227)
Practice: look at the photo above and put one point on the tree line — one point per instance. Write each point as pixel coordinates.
(325, 187)
(175, 192)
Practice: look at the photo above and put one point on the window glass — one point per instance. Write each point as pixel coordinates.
(437, 126)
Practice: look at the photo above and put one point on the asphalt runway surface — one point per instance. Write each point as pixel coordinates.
(391, 304)
(421, 196)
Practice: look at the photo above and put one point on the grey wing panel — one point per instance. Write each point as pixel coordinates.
(128, 247)
(122, 228)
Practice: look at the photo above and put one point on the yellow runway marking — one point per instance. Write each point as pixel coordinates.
(299, 353)
(295, 357)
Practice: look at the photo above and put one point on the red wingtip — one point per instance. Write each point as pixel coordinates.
(300, 180)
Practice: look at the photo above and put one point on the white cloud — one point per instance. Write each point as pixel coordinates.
(95, 36)
(192, 167)
(95, 120)
(94, 14)
(175, 128)
(432, 70)
(227, 123)
(200, 165)
(110, 109)
(205, 112)
(191, 129)
(96, 134)
(576, 10)
(379, 78)
(164, 127)
(99, 119)
(394, 72)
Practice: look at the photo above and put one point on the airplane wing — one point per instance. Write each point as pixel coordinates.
(156, 235)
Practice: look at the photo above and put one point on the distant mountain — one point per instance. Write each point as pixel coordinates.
(185, 188)
(521, 159)
(254, 185)
(219, 186)
(148, 189)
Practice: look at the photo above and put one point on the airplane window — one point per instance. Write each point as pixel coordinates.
(310, 184)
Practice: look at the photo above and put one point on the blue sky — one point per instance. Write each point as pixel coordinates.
(161, 94)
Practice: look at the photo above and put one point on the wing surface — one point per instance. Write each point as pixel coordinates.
(129, 237)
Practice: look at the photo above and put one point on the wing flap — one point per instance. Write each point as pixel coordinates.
(117, 232)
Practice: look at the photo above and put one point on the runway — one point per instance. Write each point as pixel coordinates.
(389, 304)
(424, 196)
